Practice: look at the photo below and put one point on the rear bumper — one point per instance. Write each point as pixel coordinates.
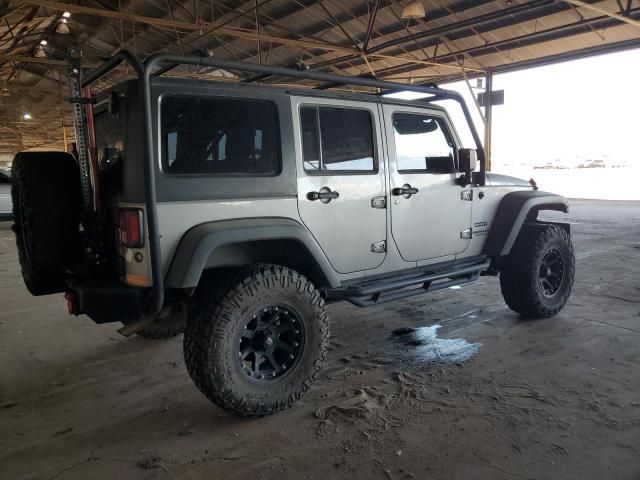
(116, 303)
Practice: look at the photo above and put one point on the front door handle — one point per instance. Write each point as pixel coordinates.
(406, 191)
(325, 195)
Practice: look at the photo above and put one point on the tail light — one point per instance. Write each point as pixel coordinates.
(71, 303)
(130, 227)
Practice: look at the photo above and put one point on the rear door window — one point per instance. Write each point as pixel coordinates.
(337, 140)
(219, 136)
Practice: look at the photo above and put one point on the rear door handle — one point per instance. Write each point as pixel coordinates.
(406, 191)
(325, 195)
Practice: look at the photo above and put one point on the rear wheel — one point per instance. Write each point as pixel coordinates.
(256, 340)
(46, 195)
(537, 276)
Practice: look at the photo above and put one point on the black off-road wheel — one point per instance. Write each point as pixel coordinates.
(537, 276)
(170, 323)
(47, 202)
(256, 339)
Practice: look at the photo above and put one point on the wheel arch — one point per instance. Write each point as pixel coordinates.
(234, 243)
(514, 210)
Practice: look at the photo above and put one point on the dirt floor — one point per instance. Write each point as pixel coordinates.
(505, 398)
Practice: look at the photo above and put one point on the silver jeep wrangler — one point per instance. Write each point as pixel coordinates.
(235, 212)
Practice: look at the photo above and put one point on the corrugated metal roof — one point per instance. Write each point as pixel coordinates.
(457, 37)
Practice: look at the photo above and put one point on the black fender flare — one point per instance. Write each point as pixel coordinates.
(513, 211)
(200, 243)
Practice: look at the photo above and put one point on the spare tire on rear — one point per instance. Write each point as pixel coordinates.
(47, 202)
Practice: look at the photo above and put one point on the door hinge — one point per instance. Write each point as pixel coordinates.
(379, 247)
(466, 195)
(378, 202)
(466, 234)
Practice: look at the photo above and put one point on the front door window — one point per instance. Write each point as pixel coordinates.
(422, 144)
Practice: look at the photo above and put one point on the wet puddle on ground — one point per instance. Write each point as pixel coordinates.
(408, 351)
(422, 345)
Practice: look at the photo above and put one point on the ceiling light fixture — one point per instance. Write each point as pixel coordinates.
(66, 14)
(27, 116)
(43, 42)
(62, 27)
(414, 10)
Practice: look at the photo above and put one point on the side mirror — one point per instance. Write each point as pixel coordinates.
(467, 160)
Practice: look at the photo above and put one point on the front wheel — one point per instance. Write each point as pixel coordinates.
(255, 338)
(537, 276)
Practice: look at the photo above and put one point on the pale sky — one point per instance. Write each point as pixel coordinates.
(586, 108)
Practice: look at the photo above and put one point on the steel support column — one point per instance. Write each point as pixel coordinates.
(488, 118)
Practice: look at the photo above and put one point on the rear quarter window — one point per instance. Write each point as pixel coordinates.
(219, 136)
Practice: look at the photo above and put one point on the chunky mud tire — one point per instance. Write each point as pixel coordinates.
(45, 190)
(223, 314)
(169, 324)
(537, 276)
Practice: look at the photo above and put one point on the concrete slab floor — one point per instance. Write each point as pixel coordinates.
(547, 399)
